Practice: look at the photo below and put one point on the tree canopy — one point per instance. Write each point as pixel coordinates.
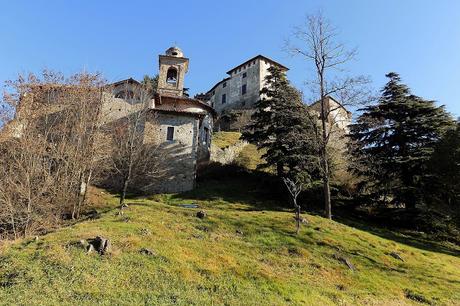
(283, 127)
(393, 141)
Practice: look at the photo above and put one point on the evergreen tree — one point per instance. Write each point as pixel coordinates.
(445, 168)
(281, 125)
(151, 83)
(394, 140)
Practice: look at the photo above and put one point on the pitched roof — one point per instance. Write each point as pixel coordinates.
(258, 57)
(175, 112)
(218, 83)
(335, 100)
(165, 99)
(129, 81)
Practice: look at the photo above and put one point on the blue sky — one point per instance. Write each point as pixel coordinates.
(418, 39)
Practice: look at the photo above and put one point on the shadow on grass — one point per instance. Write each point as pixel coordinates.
(410, 239)
(262, 191)
(235, 185)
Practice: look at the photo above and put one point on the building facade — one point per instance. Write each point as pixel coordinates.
(178, 126)
(238, 93)
(339, 118)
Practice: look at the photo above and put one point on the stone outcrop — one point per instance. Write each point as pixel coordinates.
(227, 155)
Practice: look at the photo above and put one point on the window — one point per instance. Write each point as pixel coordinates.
(170, 134)
(224, 98)
(224, 85)
(243, 89)
(171, 76)
(244, 75)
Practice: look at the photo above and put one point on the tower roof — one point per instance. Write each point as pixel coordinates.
(174, 51)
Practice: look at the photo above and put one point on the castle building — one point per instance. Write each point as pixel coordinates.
(238, 93)
(234, 97)
(339, 118)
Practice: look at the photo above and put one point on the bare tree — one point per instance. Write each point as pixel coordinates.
(133, 159)
(50, 150)
(295, 188)
(316, 41)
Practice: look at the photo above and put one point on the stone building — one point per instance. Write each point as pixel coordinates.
(180, 126)
(235, 96)
(339, 117)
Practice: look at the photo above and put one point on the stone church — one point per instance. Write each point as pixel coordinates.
(179, 125)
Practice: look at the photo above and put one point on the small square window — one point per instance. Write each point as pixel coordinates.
(224, 98)
(170, 134)
(224, 85)
(244, 75)
(243, 89)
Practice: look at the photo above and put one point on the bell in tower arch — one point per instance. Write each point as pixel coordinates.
(173, 67)
(171, 76)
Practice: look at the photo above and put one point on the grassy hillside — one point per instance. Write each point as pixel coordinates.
(243, 253)
(223, 140)
(249, 157)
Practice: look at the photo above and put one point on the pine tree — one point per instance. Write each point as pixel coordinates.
(394, 140)
(445, 168)
(151, 83)
(282, 127)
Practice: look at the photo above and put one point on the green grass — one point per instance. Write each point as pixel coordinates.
(249, 156)
(223, 140)
(206, 262)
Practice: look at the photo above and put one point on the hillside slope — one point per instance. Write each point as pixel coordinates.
(228, 148)
(243, 253)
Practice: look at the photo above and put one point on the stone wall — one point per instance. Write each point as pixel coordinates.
(227, 155)
(235, 99)
(339, 117)
(178, 156)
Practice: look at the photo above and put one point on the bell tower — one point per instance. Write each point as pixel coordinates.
(173, 67)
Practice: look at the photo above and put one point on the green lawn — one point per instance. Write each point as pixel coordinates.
(207, 262)
(223, 140)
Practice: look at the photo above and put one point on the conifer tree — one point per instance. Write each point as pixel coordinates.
(282, 127)
(394, 140)
(445, 169)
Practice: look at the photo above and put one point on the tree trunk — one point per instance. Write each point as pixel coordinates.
(327, 193)
(324, 161)
(83, 193)
(123, 192)
(279, 169)
(297, 217)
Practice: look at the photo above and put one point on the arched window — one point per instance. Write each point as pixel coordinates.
(171, 76)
